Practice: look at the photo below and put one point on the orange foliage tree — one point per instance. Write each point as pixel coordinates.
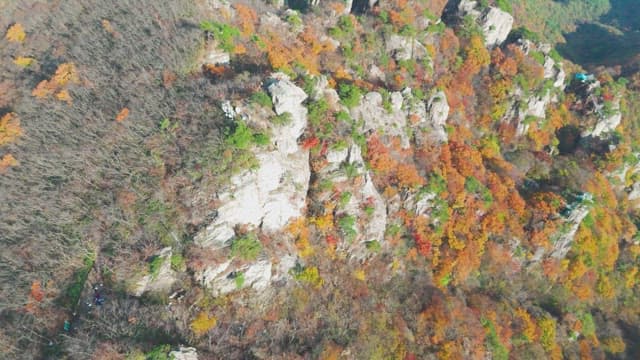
(64, 76)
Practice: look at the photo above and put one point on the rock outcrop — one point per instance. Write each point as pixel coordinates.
(227, 277)
(438, 110)
(276, 192)
(563, 244)
(607, 122)
(374, 115)
(266, 198)
(161, 280)
(405, 48)
(365, 203)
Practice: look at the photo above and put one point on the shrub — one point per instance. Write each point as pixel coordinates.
(261, 98)
(349, 95)
(317, 112)
(309, 275)
(344, 199)
(241, 137)
(239, 280)
(177, 262)
(498, 350)
(159, 352)
(373, 246)
(155, 265)
(246, 247)
(223, 33)
(346, 225)
(283, 119)
(504, 5)
(344, 27)
(261, 139)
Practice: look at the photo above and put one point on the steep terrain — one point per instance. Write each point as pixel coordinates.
(330, 180)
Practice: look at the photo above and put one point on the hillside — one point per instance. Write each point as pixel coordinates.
(318, 180)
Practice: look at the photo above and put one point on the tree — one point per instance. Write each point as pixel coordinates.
(203, 323)
(16, 33)
(10, 128)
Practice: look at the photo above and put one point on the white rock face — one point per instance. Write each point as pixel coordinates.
(496, 25)
(213, 272)
(554, 71)
(286, 263)
(258, 275)
(335, 158)
(405, 48)
(216, 56)
(363, 194)
(468, 7)
(223, 278)
(184, 353)
(536, 106)
(438, 110)
(376, 74)
(376, 117)
(606, 124)
(287, 97)
(562, 246)
(162, 281)
(276, 192)
(322, 90)
(377, 224)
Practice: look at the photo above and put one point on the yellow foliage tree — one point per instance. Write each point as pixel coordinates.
(528, 325)
(548, 333)
(23, 61)
(16, 33)
(9, 128)
(614, 345)
(203, 323)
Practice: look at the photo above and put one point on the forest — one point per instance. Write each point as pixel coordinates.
(249, 179)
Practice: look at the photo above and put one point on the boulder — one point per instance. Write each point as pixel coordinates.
(468, 7)
(184, 353)
(634, 194)
(217, 57)
(496, 25)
